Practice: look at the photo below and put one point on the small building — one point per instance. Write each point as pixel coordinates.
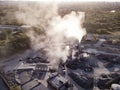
(115, 87)
(34, 85)
(89, 37)
(58, 82)
(100, 42)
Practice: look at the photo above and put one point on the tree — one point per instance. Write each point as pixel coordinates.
(19, 42)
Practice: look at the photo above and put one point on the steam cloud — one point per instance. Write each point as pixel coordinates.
(57, 29)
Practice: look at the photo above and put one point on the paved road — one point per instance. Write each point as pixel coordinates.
(10, 63)
(3, 27)
(95, 51)
(13, 27)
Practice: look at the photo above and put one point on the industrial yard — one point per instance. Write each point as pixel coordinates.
(63, 48)
(88, 70)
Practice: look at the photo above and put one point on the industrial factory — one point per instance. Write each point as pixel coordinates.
(84, 69)
(46, 50)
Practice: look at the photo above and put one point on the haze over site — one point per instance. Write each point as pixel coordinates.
(57, 29)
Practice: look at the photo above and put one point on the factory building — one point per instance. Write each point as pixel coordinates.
(22, 66)
(42, 67)
(58, 82)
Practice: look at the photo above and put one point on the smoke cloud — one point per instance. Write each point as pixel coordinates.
(57, 30)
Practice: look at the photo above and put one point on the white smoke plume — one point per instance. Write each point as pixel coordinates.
(57, 29)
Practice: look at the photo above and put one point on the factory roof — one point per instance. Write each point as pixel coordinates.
(57, 81)
(40, 87)
(34, 85)
(42, 67)
(25, 66)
